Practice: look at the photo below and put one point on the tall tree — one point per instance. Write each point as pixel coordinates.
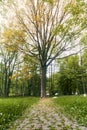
(9, 54)
(8, 60)
(70, 75)
(83, 64)
(51, 26)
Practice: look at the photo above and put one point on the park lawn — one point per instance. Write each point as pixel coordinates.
(12, 108)
(75, 107)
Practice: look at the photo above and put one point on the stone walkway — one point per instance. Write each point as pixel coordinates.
(45, 116)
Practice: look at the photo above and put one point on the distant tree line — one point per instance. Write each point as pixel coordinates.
(71, 77)
(24, 79)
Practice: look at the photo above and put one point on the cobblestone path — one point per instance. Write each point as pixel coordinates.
(45, 116)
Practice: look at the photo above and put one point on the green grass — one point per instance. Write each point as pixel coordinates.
(74, 106)
(12, 108)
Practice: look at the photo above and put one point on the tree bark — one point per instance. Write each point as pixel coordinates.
(5, 83)
(43, 81)
(29, 87)
(83, 84)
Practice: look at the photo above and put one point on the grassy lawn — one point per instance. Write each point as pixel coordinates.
(12, 108)
(74, 106)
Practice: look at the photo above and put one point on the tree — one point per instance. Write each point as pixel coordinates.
(83, 64)
(51, 26)
(8, 61)
(29, 76)
(70, 75)
(9, 54)
(34, 76)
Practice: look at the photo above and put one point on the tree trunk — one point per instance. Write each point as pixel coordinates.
(5, 84)
(29, 88)
(43, 82)
(83, 84)
(8, 86)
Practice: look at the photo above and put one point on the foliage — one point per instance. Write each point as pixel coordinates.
(26, 78)
(75, 107)
(73, 74)
(12, 39)
(54, 25)
(12, 108)
(69, 75)
(53, 84)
